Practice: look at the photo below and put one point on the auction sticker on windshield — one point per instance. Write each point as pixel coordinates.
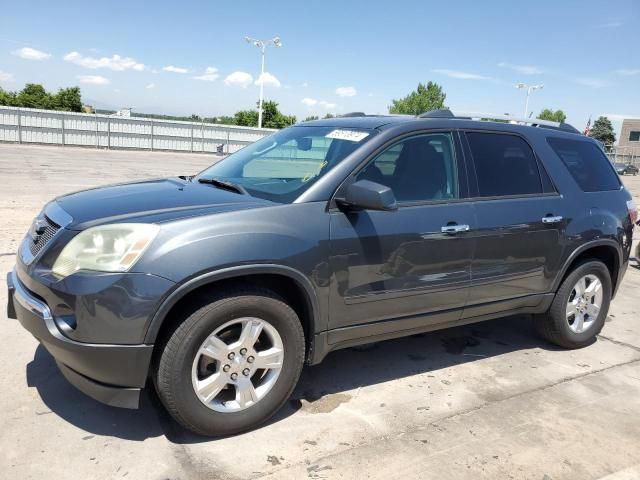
(350, 135)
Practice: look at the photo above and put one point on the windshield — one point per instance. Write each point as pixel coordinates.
(282, 166)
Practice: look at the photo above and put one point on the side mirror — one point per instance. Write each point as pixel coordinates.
(368, 195)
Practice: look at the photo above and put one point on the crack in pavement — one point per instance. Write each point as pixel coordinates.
(618, 342)
(435, 422)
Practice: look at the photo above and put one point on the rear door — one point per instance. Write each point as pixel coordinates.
(520, 222)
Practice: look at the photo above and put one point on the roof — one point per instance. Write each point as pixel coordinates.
(439, 119)
(360, 121)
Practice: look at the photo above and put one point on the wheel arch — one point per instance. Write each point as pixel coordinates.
(606, 250)
(292, 285)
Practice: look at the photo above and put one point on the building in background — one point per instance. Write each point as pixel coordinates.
(628, 148)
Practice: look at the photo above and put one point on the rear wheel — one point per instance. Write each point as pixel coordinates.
(232, 363)
(579, 308)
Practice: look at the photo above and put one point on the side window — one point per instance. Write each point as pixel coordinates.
(587, 164)
(505, 165)
(420, 168)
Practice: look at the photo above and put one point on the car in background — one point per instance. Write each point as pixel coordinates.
(626, 168)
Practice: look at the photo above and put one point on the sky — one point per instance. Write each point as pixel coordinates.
(190, 57)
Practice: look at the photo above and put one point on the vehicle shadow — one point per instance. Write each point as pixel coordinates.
(341, 371)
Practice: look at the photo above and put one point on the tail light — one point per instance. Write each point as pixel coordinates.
(633, 211)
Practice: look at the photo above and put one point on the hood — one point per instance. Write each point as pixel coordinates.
(159, 200)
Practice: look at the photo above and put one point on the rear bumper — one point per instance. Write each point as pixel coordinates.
(112, 374)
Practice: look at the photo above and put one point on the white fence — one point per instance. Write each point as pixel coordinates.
(28, 125)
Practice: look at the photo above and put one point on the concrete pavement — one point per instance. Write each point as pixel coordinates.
(489, 400)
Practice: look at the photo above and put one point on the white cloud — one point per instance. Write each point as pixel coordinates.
(209, 75)
(115, 62)
(459, 75)
(612, 24)
(346, 91)
(628, 71)
(305, 84)
(312, 102)
(268, 80)
(93, 79)
(327, 105)
(592, 82)
(174, 69)
(617, 116)
(150, 86)
(6, 77)
(523, 69)
(239, 79)
(31, 54)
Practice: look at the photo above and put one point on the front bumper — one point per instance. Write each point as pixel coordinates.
(112, 374)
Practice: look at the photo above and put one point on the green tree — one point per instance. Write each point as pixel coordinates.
(223, 119)
(553, 115)
(68, 100)
(246, 118)
(271, 117)
(602, 131)
(329, 115)
(7, 98)
(421, 100)
(312, 117)
(34, 95)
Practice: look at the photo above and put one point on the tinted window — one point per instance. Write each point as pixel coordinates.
(634, 136)
(587, 164)
(419, 168)
(505, 165)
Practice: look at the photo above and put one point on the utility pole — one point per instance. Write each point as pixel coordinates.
(530, 88)
(262, 45)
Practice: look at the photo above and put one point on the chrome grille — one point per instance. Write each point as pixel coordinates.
(39, 241)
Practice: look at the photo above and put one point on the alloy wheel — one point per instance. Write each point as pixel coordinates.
(238, 364)
(585, 301)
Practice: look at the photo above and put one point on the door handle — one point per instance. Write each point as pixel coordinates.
(552, 219)
(454, 228)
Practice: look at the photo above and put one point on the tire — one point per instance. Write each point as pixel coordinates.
(177, 370)
(556, 325)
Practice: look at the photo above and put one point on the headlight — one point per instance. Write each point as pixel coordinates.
(108, 248)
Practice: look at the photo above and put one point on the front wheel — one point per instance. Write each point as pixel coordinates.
(232, 363)
(579, 308)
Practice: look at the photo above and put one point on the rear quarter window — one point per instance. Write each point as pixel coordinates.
(586, 163)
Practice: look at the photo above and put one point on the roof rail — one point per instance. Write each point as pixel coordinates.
(441, 113)
(446, 113)
(354, 114)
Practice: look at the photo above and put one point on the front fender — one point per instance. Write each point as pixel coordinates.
(233, 272)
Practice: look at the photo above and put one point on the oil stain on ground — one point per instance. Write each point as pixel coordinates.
(457, 345)
(318, 403)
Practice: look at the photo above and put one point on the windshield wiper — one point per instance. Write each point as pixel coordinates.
(225, 185)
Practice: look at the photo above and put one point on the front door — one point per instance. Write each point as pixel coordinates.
(410, 267)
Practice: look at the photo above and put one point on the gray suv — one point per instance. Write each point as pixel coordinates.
(332, 233)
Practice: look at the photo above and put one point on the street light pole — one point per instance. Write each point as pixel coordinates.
(530, 88)
(262, 45)
(261, 87)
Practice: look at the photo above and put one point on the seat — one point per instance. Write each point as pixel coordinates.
(420, 172)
